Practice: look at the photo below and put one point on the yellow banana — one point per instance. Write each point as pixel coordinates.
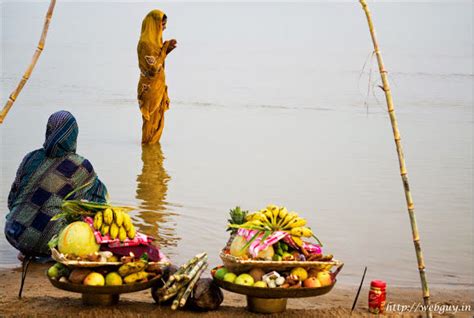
(118, 216)
(104, 230)
(269, 215)
(131, 233)
(131, 267)
(98, 220)
(307, 232)
(297, 231)
(298, 241)
(288, 218)
(275, 212)
(122, 234)
(282, 213)
(132, 278)
(127, 221)
(114, 231)
(108, 216)
(298, 222)
(271, 207)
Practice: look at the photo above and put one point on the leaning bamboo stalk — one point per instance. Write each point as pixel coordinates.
(401, 160)
(13, 96)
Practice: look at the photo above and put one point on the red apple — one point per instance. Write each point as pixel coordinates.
(311, 282)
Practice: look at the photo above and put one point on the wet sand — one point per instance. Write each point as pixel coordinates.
(40, 298)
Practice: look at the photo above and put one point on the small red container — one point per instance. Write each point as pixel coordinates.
(377, 296)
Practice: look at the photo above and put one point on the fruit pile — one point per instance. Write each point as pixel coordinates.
(131, 271)
(115, 222)
(298, 277)
(272, 234)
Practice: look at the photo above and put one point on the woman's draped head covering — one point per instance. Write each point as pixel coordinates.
(61, 134)
(152, 29)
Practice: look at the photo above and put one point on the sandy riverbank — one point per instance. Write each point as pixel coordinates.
(42, 299)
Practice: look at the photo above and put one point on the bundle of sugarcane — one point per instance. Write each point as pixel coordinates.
(180, 284)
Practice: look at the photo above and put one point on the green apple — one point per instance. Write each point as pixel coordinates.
(244, 279)
(260, 283)
(113, 279)
(94, 279)
(230, 277)
(220, 273)
(325, 278)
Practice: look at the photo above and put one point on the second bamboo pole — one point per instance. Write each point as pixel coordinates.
(401, 160)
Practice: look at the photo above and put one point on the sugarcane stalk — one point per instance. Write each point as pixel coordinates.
(189, 289)
(194, 270)
(180, 274)
(181, 271)
(13, 96)
(401, 160)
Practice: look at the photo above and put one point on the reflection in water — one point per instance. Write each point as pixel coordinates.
(152, 185)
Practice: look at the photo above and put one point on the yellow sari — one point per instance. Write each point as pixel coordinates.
(152, 90)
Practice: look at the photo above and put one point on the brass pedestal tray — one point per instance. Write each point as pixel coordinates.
(103, 295)
(271, 300)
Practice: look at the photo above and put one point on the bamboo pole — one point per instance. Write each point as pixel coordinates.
(401, 160)
(13, 96)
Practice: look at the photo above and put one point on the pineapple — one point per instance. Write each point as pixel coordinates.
(237, 216)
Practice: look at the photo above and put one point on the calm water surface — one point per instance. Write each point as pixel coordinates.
(269, 105)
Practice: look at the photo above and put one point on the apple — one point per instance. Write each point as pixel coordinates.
(260, 284)
(94, 279)
(325, 278)
(220, 273)
(300, 272)
(244, 279)
(230, 277)
(311, 282)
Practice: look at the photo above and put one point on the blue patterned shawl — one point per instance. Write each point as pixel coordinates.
(43, 179)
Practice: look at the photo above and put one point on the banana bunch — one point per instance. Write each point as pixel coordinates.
(115, 222)
(274, 218)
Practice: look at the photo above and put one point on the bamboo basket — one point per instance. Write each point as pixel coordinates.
(58, 257)
(237, 265)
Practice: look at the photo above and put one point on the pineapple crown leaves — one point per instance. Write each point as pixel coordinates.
(237, 217)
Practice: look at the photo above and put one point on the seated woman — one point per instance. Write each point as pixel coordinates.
(43, 179)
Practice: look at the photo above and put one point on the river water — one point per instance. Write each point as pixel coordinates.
(271, 103)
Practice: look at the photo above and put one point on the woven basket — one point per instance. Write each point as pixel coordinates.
(58, 257)
(238, 265)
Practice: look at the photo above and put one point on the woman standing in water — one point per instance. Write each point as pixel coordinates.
(152, 90)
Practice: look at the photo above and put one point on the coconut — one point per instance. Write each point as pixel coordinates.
(206, 295)
(77, 239)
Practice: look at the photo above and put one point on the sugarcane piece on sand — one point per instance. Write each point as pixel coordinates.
(183, 293)
(189, 289)
(183, 268)
(181, 278)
